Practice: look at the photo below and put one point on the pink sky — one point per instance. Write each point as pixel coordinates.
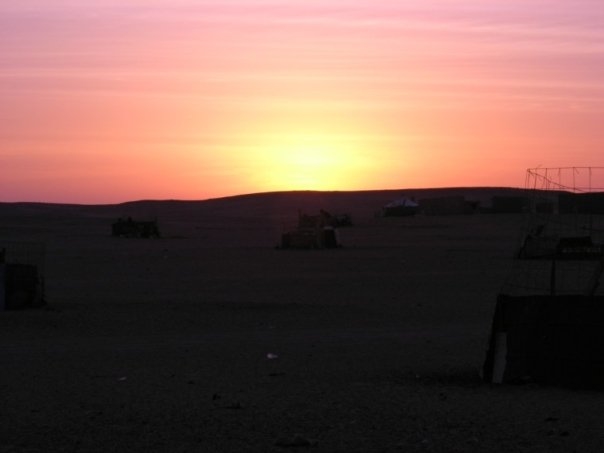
(109, 101)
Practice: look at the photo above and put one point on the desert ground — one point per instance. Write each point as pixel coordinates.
(211, 339)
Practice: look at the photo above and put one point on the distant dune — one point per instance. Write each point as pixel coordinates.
(272, 204)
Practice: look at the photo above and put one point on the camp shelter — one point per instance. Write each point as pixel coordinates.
(21, 276)
(324, 238)
(400, 207)
(312, 232)
(20, 287)
(547, 339)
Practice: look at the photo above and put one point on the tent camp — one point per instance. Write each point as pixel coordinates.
(400, 207)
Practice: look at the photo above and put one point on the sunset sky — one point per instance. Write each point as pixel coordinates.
(105, 101)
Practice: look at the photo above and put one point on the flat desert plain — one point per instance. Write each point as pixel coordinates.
(211, 339)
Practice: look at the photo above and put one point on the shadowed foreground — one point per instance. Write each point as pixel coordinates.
(210, 339)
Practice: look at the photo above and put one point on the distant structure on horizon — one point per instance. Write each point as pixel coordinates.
(135, 229)
(400, 207)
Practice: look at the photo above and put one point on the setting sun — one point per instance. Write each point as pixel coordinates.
(306, 166)
(308, 161)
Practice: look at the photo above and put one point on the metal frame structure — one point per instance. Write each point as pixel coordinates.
(548, 325)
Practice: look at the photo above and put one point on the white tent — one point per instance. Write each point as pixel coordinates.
(400, 207)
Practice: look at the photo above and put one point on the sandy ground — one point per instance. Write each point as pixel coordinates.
(212, 340)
